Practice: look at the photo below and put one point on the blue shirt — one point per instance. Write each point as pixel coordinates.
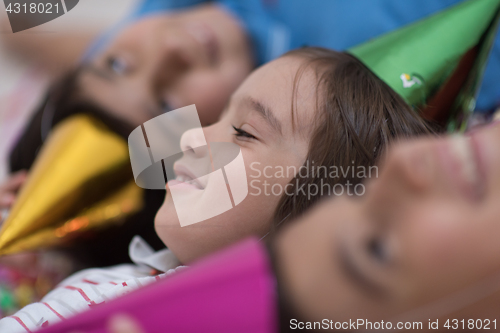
(277, 26)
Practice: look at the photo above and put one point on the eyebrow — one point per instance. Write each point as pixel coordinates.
(354, 274)
(265, 112)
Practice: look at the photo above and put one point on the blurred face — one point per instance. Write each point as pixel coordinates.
(426, 231)
(165, 62)
(258, 119)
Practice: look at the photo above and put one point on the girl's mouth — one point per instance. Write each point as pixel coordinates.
(186, 177)
(186, 180)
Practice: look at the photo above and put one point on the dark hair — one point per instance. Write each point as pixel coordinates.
(61, 101)
(358, 115)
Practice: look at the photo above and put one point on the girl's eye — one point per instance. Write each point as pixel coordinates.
(241, 133)
(377, 250)
(117, 65)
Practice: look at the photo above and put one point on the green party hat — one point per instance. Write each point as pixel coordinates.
(437, 63)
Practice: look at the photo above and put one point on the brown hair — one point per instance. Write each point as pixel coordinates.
(359, 115)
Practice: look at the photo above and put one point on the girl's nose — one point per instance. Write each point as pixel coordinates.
(407, 171)
(412, 167)
(174, 57)
(193, 142)
(163, 53)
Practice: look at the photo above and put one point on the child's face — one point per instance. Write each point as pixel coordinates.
(422, 242)
(261, 107)
(197, 56)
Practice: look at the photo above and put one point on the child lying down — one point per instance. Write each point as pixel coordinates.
(311, 106)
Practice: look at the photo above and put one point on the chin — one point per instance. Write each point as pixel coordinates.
(177, 241)
(166, 220)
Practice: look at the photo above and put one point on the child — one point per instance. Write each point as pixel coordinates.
(421, 246)
(310, 107)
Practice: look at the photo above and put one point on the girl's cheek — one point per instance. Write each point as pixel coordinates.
(438, 249)
(166, 214)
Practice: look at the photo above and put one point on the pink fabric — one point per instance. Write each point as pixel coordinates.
(231, 291)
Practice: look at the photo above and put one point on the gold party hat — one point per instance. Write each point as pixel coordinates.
(81, 180)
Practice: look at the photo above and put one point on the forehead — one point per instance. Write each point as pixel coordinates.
(281, 83)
